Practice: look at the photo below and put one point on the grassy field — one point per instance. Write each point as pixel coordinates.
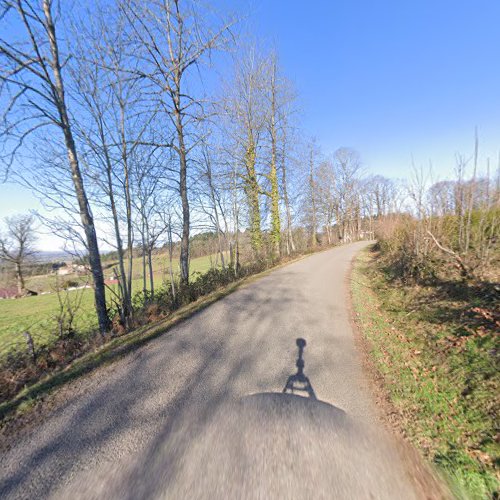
(436, 355)
(37, 314)
(47, 282)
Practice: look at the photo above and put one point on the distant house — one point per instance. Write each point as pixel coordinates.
(58, 267)
(63, 271)
(81, 269)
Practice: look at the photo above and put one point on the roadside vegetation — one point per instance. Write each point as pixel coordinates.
(442, 379)
(39, 314)
(426, 298)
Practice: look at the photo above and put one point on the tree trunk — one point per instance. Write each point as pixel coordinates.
(84, 207)
(312, 187)
(231, 255)
(128, 199)
(170, 258)
(236, 225)
(273, 174)
(151, 276)
(149, 246)
(184, 257)
(275, 210)
(290, 245)
(144, 274)
(183, 189)
(252, 191)
(20, 280)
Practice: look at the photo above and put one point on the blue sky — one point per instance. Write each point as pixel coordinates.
(392, 79)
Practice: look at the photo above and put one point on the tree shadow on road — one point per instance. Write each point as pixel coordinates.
(200, 366)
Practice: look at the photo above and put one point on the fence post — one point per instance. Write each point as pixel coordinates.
(31, 346)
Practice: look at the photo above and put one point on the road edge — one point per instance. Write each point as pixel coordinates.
(36, 402)
(425, 478)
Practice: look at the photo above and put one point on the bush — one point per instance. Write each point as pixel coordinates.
(18, 369)
(70, 284)
(442, 248)
(407, 255)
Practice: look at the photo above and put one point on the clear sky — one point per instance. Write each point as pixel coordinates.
(392, 79)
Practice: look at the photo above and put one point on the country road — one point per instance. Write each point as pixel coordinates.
(199, 412)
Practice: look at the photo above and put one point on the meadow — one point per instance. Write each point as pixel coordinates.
(38, 314)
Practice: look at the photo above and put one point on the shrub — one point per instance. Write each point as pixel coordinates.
(70, 284)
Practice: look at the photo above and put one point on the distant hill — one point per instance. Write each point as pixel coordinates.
(47, 256)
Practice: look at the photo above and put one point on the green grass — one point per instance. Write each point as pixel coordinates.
(37, 314)
(27, 399)
(114, 349)
(439, 370)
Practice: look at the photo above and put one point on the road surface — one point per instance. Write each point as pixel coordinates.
(199, 412)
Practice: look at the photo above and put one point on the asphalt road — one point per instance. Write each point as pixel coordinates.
(199, 412)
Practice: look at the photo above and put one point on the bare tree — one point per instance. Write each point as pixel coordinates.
(213, 195)
(33, 88)
(272, 176)
(290, 245)
(148, 200)
(313, 195)
(16, 245)
(462, 219)
(235, 248)
(327, 196)
(102, 98)
(348, 166)
(172, 40)
(246, 115)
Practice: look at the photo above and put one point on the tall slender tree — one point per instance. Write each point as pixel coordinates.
(313, 196)
(32, 73)
(172, 39)
(273, 167)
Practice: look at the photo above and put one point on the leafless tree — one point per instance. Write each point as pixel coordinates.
(290, 245)
(245, 110)
(273, 125)
(173, 38)
(348, 168)
(149, 200)
(216, 211)
(33, 88)
(327, 200)
(313, 193)
(17, 245)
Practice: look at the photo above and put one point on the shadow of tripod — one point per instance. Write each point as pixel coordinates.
(299, 382)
